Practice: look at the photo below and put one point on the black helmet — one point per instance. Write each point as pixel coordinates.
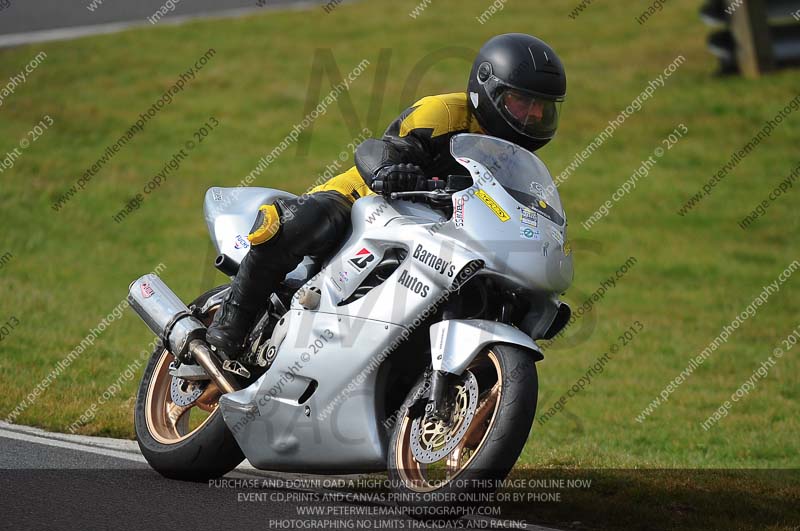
(516, 88)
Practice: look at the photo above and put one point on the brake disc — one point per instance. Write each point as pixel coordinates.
(185, 392)
(432, 441)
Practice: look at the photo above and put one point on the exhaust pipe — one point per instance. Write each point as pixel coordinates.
(210, 363)
(182, 333)
(227, 265)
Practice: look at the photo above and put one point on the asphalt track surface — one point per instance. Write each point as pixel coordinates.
(57, 481)
(28, 21)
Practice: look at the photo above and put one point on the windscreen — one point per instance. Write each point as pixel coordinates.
(519, 171)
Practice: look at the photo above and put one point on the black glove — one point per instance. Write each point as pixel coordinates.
(400, 178)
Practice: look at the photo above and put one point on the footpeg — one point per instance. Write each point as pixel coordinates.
(236, 368)
(192, 373)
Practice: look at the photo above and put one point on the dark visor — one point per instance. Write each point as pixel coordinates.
(531, 115)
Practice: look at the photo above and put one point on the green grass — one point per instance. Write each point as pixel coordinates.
(694, 273)
(662, 499)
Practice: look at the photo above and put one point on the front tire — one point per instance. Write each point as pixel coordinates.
(191, 442)
(507, 388)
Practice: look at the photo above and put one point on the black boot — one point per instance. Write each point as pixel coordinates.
(315, 227)
(229, 329)
(243, 305)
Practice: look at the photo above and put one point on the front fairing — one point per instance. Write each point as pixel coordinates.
(513, 213)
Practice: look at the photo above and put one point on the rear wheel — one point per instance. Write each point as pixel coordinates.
(495, 402)
(179, 427)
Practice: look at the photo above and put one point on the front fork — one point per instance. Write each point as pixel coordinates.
(454, 345)
(441, 400)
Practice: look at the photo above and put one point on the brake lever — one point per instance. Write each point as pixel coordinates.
(436, 194)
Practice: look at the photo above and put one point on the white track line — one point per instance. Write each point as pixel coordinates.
(129, 450)
(123, 445)
(61, 34)
(19, 436)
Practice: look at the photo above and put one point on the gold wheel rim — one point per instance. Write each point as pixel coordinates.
(167, 422)
(416, 475)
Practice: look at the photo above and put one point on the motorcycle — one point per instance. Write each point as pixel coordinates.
(411, 350)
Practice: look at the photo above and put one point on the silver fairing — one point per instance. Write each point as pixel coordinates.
(538, 262)
(455, 343)
(318, 407)
(229, 215)
(338, 349)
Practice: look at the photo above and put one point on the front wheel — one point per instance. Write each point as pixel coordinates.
(179, 427)
(495, 402)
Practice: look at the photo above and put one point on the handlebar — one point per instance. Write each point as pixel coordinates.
(438, 189)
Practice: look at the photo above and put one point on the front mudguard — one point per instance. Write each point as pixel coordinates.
(456, 342)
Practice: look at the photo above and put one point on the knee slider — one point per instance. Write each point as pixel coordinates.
(266, 225)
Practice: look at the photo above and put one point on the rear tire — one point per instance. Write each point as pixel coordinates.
(205, 452)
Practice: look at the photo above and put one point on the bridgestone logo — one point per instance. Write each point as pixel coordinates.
(362, 258)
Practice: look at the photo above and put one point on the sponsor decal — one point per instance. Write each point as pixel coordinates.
(458, 213)
(529, 217)
(413, 284)
(548, 212)
(537, 188)
(147, 290)
(442, 336)
(240, 242)
(216, 194)
(336, 285)
(557, 236)
(493, 205)
(529, 233)
(344, 277)
(362, 259)
(431, 260)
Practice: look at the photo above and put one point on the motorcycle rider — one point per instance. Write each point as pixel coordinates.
(515, 90)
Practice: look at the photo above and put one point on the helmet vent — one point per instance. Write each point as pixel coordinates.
(547, 64)
(484, 72)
